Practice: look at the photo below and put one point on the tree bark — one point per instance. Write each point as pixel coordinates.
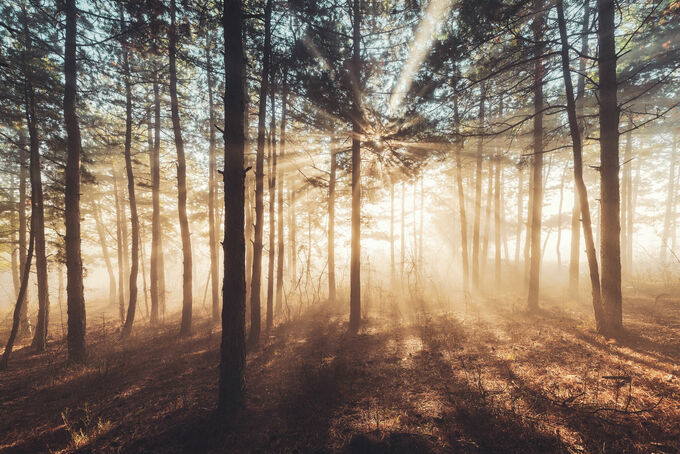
(77, 352)
(187, 284)
(402, 237)
(39, 342)
(537, 205)
(610, 245)
(580, 103)
(280, 181)
(232, 348)
(497, 221)
(581, 190)
(272, 211)
(134, 220)
(355, 260)
(122, 247)
(256, 277)
(670, 208)
(24, 324)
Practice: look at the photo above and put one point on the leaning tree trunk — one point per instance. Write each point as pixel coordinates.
(21, 300)
(134, 220)
(580, 103)
(578, 172)
(610, 240)
(256, 277)
(535, 266)
(37, 208)
(74, 266)
(187, 293)
(232, 348)
(212, 183)
(355, 254)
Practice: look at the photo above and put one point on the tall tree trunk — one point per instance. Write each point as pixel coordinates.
(187, 284)
(478, 192)
(292, 229)
(520, 211)
(77, 352)
(559, 221)
(213, 229)
(282, 151)
(581, 190)
(156, 184)
(497, 221)
(134, 220)
(527, 235)
(255, 283)
(272, 211)
(670, 199)
(420, 232)
(154, 164)
(391, 183)
(402, 237)
(610, 245)
(487, 216)
(580, 103)
(458, 145)
(232, 348)
(24, 324)
(331, 223)
(355, 260)
(37, 209)
(120, 242)
(630, 213)
(534, 273)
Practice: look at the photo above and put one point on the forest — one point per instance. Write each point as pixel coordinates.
(350, 226)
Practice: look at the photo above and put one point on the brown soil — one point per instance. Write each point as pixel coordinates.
(507, 382)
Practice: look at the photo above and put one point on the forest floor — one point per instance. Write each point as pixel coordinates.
(505, 381)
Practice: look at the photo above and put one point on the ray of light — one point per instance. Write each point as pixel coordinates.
(436, 11)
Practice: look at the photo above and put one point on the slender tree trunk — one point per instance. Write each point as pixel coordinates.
(559, 221)
(120, 241)
(610, 246)
(134, 220)
(292, 228)
(420, 233)
(282, 150)
(77, 352)
(213, 228)
(254, 336)
(527, 235)
(670, 208)
(630, 213)
(580, 103)
(391, 183)
(24, 324)
(487, 216)
(355, 261)
(534, 273)
(157, 260)
(478, 193)
(331, 224)
(402, 238)
(37, 209)
(520, 211)
(187, 294)
(272, 211)
(101, 234)
(458, 144)
(233, 348)
(497, 221)
(581, 190)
